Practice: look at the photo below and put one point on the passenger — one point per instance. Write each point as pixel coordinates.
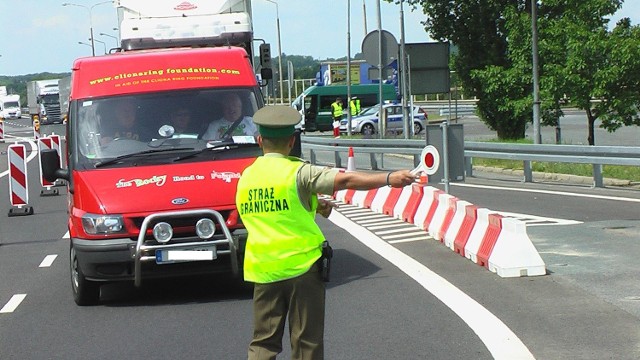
(233, 121)
(120, 123)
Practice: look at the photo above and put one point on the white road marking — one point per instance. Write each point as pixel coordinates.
(405, 234)
(501, 342)
(13, 303)
(354, 211)
(408, 240)
(562, 193)
(380, 220)
(369, 216)
(394, 231)
(531, 219)
(387, 226)
(48, 260)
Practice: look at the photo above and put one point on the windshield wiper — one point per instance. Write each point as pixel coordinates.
(136, 154)
(222, 147)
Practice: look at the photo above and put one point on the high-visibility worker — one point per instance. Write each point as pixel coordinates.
(336, 113)
(286, 254)
(354, 106)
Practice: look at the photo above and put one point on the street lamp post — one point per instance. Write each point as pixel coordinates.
(103, 44)
(111, 36)
(279, 51)
(84, 43)
(89, 9)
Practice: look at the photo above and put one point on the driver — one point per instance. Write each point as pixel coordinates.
(231, 113)
(120, 122)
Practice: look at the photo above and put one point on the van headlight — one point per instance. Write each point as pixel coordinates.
(102, 224)
(205, 228)
(162, 232)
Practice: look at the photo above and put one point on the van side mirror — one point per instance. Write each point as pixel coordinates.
(51, 170)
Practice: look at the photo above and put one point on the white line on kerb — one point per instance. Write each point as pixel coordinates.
(501, 342)
(13, 303)
(48, 260)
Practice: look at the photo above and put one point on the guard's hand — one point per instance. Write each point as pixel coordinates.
(402, 178)
(325, 207)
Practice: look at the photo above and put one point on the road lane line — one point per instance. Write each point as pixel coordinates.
(551, 192)
(410, 233)
(403, 230)
(501, 342)
(47, 261)
(423, 238)
(368, 216)
(13, 303)
(388, 226)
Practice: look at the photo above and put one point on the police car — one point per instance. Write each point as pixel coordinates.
(367, 121)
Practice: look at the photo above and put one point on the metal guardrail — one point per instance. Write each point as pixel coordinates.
(597, 156)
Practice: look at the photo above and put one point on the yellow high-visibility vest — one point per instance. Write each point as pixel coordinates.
(284, 240)
(336, 110)
(354, 106)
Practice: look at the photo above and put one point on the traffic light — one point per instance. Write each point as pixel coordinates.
(265, 62)
(265, 56)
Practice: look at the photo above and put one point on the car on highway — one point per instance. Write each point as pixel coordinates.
(366, 122)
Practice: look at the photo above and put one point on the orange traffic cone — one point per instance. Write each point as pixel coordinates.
(351, 162)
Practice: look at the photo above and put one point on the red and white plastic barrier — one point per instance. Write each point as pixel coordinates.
(514, 254)
(1, 131)
(18, 170)
(483, 236)
(424, 206)
(44, 143)
(439, 215)
(18, 180)
(57, 146)
(456, 223)
(477, 234)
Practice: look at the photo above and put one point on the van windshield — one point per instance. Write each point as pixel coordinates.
(190, 120)
(11, 104)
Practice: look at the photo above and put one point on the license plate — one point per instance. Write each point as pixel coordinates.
(174, 255)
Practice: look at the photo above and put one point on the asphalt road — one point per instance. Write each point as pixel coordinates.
(393, 295)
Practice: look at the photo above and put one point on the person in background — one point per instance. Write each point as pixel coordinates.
(233, 121)
(336, 113)
(354, 106)
(284, 251)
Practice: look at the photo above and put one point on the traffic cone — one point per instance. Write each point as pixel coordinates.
(351, 162)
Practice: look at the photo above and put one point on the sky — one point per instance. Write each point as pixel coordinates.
(42, 35)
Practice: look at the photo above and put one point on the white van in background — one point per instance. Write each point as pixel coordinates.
(10, 107)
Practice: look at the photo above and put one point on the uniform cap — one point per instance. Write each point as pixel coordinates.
(277, 120)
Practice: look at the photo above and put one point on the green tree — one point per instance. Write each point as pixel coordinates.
(479, 31)
(579, 59)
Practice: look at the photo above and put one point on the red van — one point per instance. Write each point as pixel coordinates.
(145, 198)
